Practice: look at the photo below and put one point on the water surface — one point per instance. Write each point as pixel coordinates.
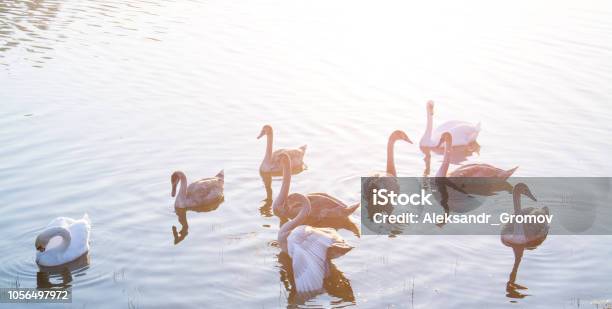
(101, 100)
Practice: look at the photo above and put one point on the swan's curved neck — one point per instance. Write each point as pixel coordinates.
(289, 226)
(269, 140)
(182, 194)
(519, 228)
(284, 191)
(445, 162)
(58, 231)
(429, 127)
(390, 158)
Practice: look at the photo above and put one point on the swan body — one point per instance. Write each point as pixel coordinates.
(63, 240)
(468, 170)
(386, 179)
(463, 133)
(522, 234)
(310, 249)
(202, 192)
(326, 207)
(481, 170)
(270, 163)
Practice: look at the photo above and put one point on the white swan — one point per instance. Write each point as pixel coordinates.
(464, 133)
(63, 240)
(270, 163)
(202, 192)
(521, 234)
(310, 249)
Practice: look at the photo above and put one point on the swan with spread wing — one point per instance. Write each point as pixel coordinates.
(310, 249)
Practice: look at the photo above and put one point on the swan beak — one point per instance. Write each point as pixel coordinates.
(262, 133)
(40, 248)
(430, 107)
(408, 140)
(530, 195)
(173, 191)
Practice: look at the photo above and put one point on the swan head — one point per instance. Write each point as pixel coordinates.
(445, 138)
(41, 242)
(266, 130)
(399, 134)
(521, 188)
(174, 180)
(39, 246)
(430, 107)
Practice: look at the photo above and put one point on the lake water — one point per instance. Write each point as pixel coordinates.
(101, 100)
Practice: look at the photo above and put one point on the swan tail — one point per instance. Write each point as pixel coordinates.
(508, 173)
(303, 148)
(338, 249)
(351, 209)
(86, 219)
(474, 135)
(221, 175)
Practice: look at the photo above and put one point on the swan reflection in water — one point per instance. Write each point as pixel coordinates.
(458, 154)
(465, 194)
(446, 190)
(181, 214)
(521, 236)
(265, 210)
(513, 290)
(61, 276)
(266, 178)
(335, 284)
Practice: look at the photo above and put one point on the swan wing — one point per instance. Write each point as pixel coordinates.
(308, 248)
(325, 202)
(205, 190)
(476, 170)
(61, 222)
(327, 207)
(328, 197)
(463, 133)
(273, 164)
(468, 170)
(482, 170)
(379, 181)
(382, 180)
(296, 155)
(79, 242)
(536, 231)
(450, 125)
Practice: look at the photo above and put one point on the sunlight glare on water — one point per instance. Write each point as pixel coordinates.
(100, 101)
